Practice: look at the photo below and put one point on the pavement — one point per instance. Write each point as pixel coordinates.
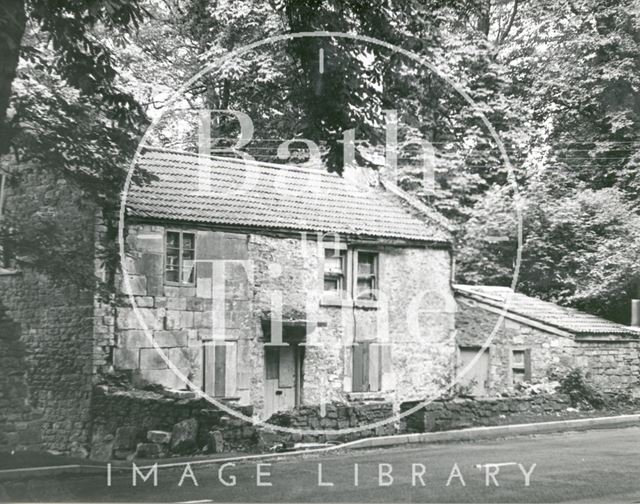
(21, 465)
(587, 466)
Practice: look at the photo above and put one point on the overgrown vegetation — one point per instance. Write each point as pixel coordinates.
(580, 391)
(559, 81)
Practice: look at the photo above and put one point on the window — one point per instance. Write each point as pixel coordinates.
(367, 275)
(369, 361)
(180, 257)
(520, 365)
(335, 262)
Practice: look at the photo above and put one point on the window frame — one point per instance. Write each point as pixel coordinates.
(180, 233)
(343, 278)
(525, 367)
(373, 297)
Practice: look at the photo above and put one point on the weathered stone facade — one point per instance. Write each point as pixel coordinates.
(263, 269)
(613, 363)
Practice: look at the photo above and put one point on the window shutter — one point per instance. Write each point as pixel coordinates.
(527, 364)
(387, 380)
(219, 372)
(374, 367)
(209, 360)
(358, 364)
(360, 370)
(231, 372)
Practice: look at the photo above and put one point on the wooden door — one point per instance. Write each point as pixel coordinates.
(478, 376)
(283, 383)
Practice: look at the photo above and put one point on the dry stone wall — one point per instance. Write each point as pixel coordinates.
(463, 413)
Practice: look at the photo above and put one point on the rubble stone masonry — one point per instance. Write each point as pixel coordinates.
(46, 374)
(181, 319)
(611, 363)
(46, 335)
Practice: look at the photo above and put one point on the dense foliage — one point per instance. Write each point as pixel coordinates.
(558, 80)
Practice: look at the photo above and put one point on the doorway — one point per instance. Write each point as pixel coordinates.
(283, 377)
(477, 378)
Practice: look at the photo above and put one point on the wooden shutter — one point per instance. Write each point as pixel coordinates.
(360, 367)
(219, 371)
(527, 364)
(208, 366)
(387, 379)
(374, 367)
(221, 368)
(231, 369)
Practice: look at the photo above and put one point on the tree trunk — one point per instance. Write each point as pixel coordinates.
(484, 17)
(13, 21)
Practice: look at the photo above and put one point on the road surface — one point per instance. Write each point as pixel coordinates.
(596, 466)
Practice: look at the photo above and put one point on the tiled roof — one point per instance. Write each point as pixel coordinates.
(567, 319)
(271, 196)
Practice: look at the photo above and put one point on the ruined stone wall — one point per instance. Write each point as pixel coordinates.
(20, 421)
(336, 417)
(183, 319)
(137, 411)
(54, 356)
(613, 365)
(47, 368)
(463, 413)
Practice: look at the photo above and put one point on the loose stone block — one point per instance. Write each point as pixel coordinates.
(216, 441)
(158, 437)
(102, 449)
(148, 450)
(184, 436)
(126, 438)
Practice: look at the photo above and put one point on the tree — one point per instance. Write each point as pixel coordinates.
(68, 118)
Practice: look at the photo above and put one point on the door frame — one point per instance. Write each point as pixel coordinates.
(298, 350)
(476, 349)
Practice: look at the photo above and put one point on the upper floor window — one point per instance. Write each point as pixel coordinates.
(335, 270)
(180, 257)
(367, 275)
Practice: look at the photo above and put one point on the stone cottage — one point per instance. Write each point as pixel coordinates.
(267, 287)
(536, 337)
(279, 286)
